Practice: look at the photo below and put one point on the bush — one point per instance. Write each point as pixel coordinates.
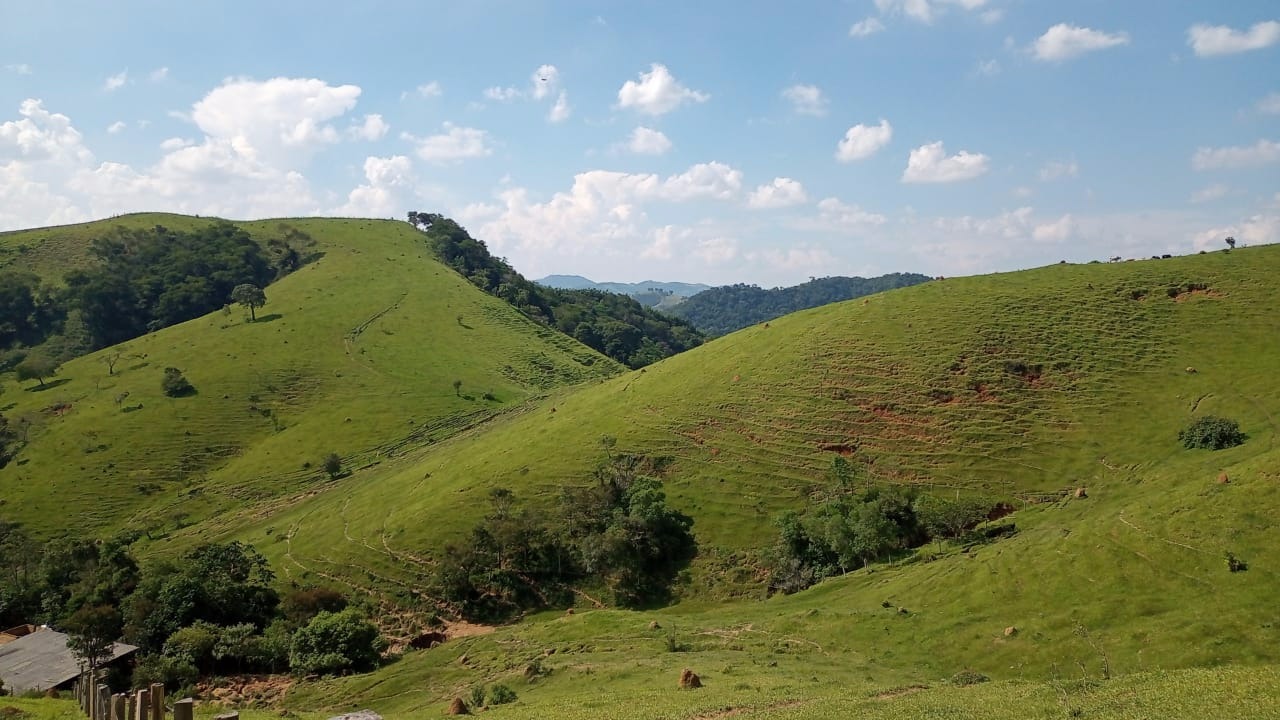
(501, 695)
(194, 644)
(477, 696)
(332, 465)
(175, 384)
(336, 642)
(172, 672)
(1212, 433)
(968, 677)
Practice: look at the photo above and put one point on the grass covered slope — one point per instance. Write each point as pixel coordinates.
(935, 385)
(357, 353)
(1004, 385)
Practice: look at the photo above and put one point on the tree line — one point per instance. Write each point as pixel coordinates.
(138, 281)
(722, 310)
(213, 610)
(612, 324)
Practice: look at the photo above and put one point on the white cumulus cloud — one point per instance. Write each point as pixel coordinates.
(116, 127)
(1263, 152)
(657, 92)
(931, 164)
(863, 141)
(924, 11)
(387, 181)
(647, 141)
(1270, 105)
(560, 111)
(1210, 40)
(429, 90)
(160, 74)
(453, 145)
(1058, 231)
(1064, 42)
(373, 128)
(711, 180)
(117, 81)
(863, 28)
(806, 99)
(1255, 230)
(782, 192)
(545, 81)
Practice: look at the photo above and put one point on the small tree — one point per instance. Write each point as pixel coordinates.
(36, 367)
(1211, 433)
(250, 296)
(91, 633)
(457, 388)
(332, 465)
(1231, 242)
(175, 384)
(110, 357)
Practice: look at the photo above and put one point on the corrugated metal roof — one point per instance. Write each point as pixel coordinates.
(41, 660)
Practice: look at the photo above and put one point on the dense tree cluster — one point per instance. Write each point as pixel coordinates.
(613, 324)
(149, 279)
(140, 280)
(722, 310)
(617, 534)
(853, 527)
(213, 610)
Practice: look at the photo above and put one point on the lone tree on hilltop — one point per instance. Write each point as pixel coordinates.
(250, 296)
(1231, 242)
(36, 367)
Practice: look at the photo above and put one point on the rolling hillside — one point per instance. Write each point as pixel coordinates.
(1059, 391)
(356, 354)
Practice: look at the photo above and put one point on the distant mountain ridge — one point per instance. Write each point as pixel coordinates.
(722, 310)
(577, 282)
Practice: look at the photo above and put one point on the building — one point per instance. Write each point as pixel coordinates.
(40, 660)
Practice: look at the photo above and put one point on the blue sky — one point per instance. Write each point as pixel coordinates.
(711, 141)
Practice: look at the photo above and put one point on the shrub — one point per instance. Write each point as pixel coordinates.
(194, 643)
(968, 677)
(172, 672)
(501, 695)
(1212, 433)
(336, 642)
(175, 384)
(332, 465)
(477, 696)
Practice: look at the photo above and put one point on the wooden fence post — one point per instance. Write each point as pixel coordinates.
(182, 709)
(118, 701)
(130, 707)
(157, 701)
(103, 709)
(144, 704)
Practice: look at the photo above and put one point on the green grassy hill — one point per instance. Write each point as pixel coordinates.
(1022, 386)
(356, 353)
(1019, 387)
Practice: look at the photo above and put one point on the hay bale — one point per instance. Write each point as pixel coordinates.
(689, 679)
(1223, 479)
(458, 707)
(1080, 493)
(1010, 631)
(569, 611)
(653, 625)
(1191, 370)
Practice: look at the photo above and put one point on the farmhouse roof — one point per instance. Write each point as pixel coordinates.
(41, 660)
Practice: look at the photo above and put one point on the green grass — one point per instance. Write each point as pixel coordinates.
(935, 386)
(355, 353)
